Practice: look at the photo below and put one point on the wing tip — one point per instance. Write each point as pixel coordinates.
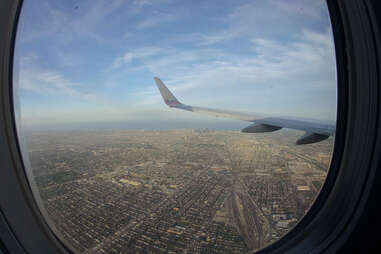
(168, 97)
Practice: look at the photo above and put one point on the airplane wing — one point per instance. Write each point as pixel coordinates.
(316, 130)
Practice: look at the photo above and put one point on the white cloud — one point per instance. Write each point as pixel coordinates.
(276, 65)
(157, 19)
(276, 77)
(274, 18)
(52, 83)
(139, 5)
(66, 25)
(136, 54)
(304, 8)
(210, 39)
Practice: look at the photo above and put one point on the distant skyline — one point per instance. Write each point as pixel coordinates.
(81, 62)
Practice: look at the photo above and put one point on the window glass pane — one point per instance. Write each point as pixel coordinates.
(115, 170)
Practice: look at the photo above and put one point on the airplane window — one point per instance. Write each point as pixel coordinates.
(175, 126)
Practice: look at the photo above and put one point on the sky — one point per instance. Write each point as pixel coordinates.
(93, 62)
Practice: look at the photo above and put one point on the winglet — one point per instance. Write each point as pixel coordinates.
(168, 97)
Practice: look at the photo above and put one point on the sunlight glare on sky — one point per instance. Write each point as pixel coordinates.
(94, 61)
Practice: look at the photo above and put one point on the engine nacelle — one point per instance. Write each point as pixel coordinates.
(258, 128)
(310, 138)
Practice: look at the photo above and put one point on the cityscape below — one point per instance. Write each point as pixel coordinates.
(175, 191)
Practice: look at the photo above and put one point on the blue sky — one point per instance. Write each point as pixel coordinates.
(94, 61)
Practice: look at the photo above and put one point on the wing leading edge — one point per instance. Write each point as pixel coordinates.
(316, 130)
